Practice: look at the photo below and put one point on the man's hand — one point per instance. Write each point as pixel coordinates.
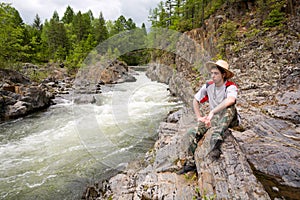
(207, 123)
(205, 120)
(224, 104)
(201, 119)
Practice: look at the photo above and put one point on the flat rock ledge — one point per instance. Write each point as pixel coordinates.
(230, 176)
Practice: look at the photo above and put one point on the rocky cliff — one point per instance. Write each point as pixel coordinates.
(260, 162)
(267, 69)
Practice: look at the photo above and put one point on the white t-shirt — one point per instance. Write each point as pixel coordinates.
(216, 94)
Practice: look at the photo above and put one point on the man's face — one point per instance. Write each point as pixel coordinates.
(216, 76)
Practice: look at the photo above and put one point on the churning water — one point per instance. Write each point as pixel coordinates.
(54, 154)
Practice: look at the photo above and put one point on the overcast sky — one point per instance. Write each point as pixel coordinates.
(138, 10)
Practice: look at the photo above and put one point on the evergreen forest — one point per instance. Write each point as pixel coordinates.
(68, 39)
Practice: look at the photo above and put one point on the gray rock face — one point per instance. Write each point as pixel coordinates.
(272, 149)
(160, 72)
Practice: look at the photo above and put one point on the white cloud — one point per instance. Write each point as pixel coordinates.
(138, 10)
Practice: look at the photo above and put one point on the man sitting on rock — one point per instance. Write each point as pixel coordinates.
(221, 95)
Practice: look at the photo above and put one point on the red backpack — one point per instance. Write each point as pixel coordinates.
(208, 83)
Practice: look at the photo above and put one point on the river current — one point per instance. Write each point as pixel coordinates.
(56, 153)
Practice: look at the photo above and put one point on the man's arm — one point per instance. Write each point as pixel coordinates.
(197, 110)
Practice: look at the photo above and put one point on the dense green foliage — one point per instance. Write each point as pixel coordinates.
(71, 38)
(12, 34)
(184, 15)
(65, 40)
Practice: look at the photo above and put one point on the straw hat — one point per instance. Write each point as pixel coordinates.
(220, 63)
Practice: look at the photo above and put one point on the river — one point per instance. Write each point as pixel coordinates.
(56, 153)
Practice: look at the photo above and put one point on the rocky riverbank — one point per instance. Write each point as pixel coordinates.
(261, 161)
(20, 95)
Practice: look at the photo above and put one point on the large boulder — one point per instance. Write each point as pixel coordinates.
(90, 77)
(24, 100)
(116, 72)
(19, 96)
(11, 76)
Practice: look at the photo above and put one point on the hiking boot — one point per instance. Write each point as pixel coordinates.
(215, 153)
(215, 142)
(218, 144)
(216, 147)
(187, 168)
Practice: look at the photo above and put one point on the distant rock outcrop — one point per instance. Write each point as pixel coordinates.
(89, 79)
(110, 72)
(18, 97)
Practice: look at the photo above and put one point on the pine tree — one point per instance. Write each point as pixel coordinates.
(68, 15)
(55, 38)
(37, 23)
(119, 25)
(144, 29)
(82, 26)
(100, 29)
(130, 25)
(11, 34)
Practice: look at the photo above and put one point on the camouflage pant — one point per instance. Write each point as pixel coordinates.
(219, 123)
